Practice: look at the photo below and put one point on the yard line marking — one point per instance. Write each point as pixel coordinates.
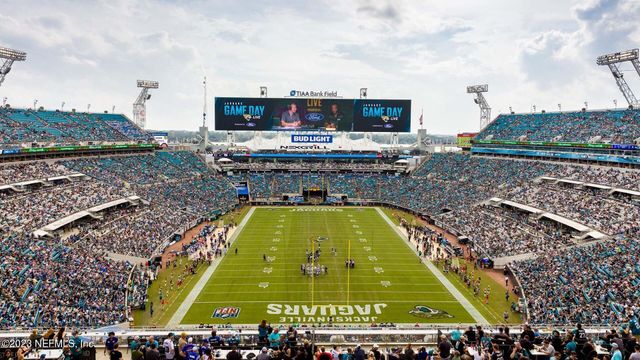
(328, 283)
(252, 269)
(279, 295)
(466, 304)
(332, 302)
(204, 279)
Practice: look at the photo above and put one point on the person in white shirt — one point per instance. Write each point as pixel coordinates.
(169, 348)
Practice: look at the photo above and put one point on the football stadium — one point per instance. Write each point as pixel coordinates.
(242, 208)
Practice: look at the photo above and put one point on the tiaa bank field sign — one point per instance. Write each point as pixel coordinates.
(315, 139)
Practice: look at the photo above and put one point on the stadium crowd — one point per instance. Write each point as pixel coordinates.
(597, 283)
(43, 279)
(33, 210)
(499, 231)
(314, 166)
(47, 283)
(52, 281)
(19, 172)
(65, 128)
(611, 126)
(609, 215)
(612, 177)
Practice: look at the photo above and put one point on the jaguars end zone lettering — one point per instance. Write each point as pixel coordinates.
(227, 312)
(323, 313)
(322, 139)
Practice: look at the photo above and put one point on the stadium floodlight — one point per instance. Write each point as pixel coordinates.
(263, 91)
(485, 109)
(363, 93)
(62, 106)
(618, 57)
(534, 108)
(586, 105)
(9, 56)
(35, 103)
(559, 107)
(139, 106)
(612, 61)
(615, 103)
(149, 84)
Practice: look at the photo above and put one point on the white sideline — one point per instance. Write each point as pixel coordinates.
(177, 317)
(447, 284)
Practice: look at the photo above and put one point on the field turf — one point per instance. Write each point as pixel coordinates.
(386, 285)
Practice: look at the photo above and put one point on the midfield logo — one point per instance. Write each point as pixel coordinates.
(424, 311)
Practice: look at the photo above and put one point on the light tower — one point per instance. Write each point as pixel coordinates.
(363, 95)
(204, 129)
(139, 106)
(8, 56)
(612, 61)
(485, 109)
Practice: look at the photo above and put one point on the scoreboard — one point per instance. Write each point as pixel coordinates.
(312, 114)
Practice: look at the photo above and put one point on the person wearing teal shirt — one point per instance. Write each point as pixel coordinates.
(571, 345)
(133, 344)
(616, 354)
(76, 345)
(274, 339)
(455, 335)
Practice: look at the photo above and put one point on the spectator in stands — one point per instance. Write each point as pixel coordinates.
(234, 354)
(169, 348)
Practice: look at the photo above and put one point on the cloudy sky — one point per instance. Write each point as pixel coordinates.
(538, 52)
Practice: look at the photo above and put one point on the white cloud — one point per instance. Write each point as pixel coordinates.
(539, 52)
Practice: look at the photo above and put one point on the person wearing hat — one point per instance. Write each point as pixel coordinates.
(192, 352)
(376, 353)
(203, 347)
(182, 342)
(188, 347)
(616, 354)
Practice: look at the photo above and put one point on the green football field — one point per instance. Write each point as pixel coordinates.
(388, 283)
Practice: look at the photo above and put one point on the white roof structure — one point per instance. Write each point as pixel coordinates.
(340, 142)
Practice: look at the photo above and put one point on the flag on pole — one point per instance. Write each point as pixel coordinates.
(421, 115)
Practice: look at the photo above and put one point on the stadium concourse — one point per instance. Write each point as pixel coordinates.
(569, 232)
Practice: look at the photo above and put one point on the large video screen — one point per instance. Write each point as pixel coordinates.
(297, 114)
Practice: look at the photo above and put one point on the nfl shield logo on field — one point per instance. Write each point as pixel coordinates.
(228, 312)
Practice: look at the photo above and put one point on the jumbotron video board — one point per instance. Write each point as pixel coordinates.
(309, 114)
